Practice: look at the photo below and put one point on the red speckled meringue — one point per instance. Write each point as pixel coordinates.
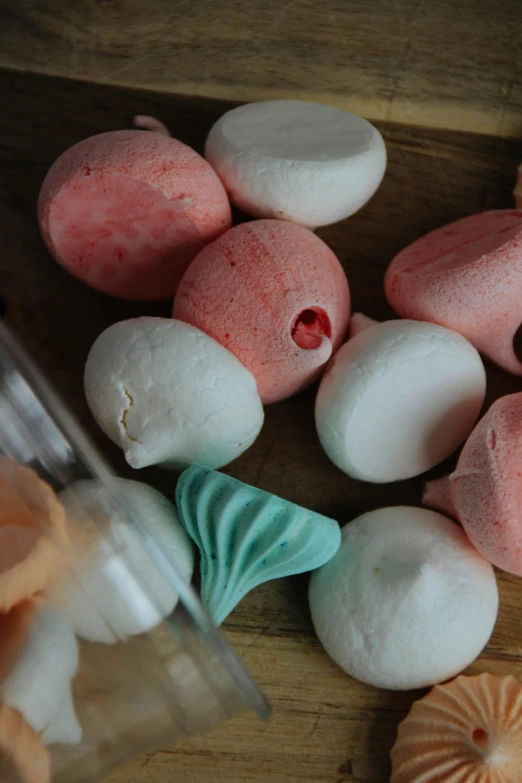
(127, 211)
(466, 276)
(485, 490)
(276, 296)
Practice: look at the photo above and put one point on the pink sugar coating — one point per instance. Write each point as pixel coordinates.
(466, 276)
(485, 490)
(127, 211)
(276, 296)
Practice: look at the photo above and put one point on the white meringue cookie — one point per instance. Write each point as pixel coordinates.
(39, 685)
(398, 398)
(64, 726)
(406, 602)
(115, 588)
(168, 394)
(297, 160)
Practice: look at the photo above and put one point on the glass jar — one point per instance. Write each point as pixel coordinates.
(142, 691)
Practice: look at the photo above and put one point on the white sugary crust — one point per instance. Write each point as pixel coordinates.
(39, 684)
(398, 398)
(168, 394)
(406, 602)
(297, 160)
(116, 589)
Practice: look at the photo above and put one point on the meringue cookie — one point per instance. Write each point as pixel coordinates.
(169, 394)
(466, 276)
(126, 212)
(114, 588)
(33, 534)
(276, 296)
(483, 492)
(247, 536)
(468, 730)
(39, 683)
(297, 160)
(406, 602)
(23, 757)
(398, 398)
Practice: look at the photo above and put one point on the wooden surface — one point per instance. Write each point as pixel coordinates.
(438, 63)
(326, 727)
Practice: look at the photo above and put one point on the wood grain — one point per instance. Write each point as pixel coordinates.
(326, 726)
(436, 63)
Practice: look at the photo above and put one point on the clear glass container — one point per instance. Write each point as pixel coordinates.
(143, 691)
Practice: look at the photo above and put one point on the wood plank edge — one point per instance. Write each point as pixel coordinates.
(437, 115)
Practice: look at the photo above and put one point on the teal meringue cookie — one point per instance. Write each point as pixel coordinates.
(247, 536)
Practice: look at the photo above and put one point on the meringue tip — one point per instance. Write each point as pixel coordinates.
(359, 323)
(437, 494)
(145, 122)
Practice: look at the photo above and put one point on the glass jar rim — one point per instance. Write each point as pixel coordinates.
(60, 440)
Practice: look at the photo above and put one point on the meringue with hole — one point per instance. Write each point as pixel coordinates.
(275, 295)
(467, 730)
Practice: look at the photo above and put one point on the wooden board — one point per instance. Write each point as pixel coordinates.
(438, 63)
(326, 727)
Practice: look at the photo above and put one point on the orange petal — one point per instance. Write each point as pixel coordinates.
(32, 533)
(23, 757)
(467, 731)
(14, 628)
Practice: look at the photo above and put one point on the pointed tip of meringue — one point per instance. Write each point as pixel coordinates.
(144, 122)
(359, 323)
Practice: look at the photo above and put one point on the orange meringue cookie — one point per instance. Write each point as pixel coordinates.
(467, 731)
(14, 628)
(32, 533)
(23, 757)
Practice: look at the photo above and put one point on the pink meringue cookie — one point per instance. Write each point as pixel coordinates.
(276, 296)
(485, 490)
(466, 276)
(126, 211)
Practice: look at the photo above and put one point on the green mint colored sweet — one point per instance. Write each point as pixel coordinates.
(247, 536)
